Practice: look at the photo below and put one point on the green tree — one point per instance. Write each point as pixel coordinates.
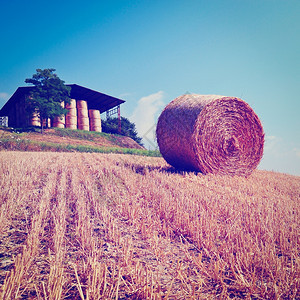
(128, 128)
(48, 93)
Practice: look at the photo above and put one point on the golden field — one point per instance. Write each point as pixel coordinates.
(113, 226)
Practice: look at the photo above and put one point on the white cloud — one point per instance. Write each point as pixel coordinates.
(124, 95)
(271, 143)
(297, 152)
(279, 155)
(271, 137)
(145, 117)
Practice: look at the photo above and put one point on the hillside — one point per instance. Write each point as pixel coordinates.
(67, 140)
(111, 226)
(92, 139)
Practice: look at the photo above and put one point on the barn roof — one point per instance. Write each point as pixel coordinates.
(96, 100)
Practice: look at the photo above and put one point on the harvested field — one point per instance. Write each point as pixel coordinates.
(109, 226)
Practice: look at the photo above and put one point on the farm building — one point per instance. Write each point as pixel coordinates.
(84, 109)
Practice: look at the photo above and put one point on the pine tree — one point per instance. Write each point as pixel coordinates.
(48, 93)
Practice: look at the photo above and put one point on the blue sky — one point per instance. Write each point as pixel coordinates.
(150, 52)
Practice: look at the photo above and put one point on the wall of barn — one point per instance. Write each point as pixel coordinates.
(17, 116)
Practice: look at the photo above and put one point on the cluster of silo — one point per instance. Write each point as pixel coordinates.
(78, 117)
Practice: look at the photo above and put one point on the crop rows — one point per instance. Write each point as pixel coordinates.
(112, 226)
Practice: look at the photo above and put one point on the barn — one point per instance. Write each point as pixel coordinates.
(85, 109)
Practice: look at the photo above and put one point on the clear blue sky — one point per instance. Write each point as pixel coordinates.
(150, 52)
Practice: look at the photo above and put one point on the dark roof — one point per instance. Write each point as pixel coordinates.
(96, 100)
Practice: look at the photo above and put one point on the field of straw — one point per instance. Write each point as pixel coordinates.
(112, 226)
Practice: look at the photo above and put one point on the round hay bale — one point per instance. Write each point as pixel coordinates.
(83, 123)
(59, 122)
(71, 121)
(96, 128)
(81, 104)
(94, 114)
(83, 127)
(82, 113)
(95, 122)
(71, 126)
(71, 105)
(211, 134)
(58, 125)
(35, 120)
(72, 112)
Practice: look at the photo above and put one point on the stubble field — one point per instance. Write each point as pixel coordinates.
(109, 226)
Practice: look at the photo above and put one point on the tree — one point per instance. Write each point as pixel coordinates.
(128, 128)
(48, 93)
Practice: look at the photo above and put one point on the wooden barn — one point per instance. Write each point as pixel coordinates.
(84, 110)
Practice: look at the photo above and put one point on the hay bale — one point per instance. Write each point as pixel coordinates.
(35, 120)
(95, 120)
(94, 114)
(71, 121)
(59, 121)
(96, 128)
(82, 113)
(95, 125)
(71, 105)
(81, 104)
(72, 112)
(83, 123)
(83, 127)
(210, 134)
(71, 126)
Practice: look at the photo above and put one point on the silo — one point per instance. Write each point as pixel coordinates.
(71, 117)
(95, 120)
(82, 115)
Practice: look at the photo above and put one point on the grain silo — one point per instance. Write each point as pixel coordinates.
(85, 108)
